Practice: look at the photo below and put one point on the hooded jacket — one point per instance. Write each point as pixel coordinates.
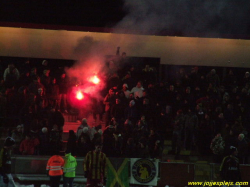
(69, 166)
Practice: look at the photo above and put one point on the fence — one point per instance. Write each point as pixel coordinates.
(33, 168)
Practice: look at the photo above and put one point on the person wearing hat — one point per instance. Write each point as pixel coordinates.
(94, 166)
(125, 90)
(83, 128)
(69, 169)
(6, 178)
(230, 167)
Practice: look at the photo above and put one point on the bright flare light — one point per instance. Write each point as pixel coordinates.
(95, 80)
(79, 95)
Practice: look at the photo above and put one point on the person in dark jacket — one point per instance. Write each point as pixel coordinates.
(142, 149)
(71, 143)
(6, 178)
(230, 167)
(83, 146)
(242, 149)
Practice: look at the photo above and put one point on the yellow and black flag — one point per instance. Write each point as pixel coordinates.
(118, 172)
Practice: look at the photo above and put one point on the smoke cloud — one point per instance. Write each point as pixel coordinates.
(185, 17)
(91, 61)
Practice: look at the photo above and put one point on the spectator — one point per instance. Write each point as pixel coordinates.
(25, 79)
(83, 128)
(33, 73)
(55, 140)
(154, 144)
(55, 117)
(18, 136)
(213, 78)
(71, 143)
(44, 141)
(83, 146)
(114, 80)
(109, 101)
(131, 112)
(35, 85)
(3, 103)
(243, 149)
(142, 149)
(127, 79)
(28, 145)
(177, 137)
(130, 149)
(137, 90)
(217, 146)
(97, 136)
(125, 90)
(191, 126)
(231, 140)
(117, 111)
(53, 95)
(109, 141)
(140, 131)
(43, 66)
(46, 80)
(230, 80)
(220, 124)
(246, 79)
(205, 135)
(63, 90)
(188, 99)
(11, 75)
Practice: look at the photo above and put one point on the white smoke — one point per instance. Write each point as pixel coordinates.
(185, 17)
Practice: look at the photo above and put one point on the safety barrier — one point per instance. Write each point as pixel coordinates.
(32, 169)
(28, 169)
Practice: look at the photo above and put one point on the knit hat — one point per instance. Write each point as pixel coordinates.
(9, 142)
(19, 126)
(44, 129)
(125, 85)
(84, 120)
(85, 129)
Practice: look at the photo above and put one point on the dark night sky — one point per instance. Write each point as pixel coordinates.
(195, 18)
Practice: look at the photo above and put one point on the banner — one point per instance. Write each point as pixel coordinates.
(144, 171)
(117, 172)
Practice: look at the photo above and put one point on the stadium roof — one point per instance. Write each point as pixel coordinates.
(191, 18)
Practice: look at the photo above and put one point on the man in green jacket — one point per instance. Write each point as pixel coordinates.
(69, 169)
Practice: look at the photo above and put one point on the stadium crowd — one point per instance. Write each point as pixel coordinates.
(203, 111)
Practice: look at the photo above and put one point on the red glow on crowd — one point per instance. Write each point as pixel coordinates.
(79, 95)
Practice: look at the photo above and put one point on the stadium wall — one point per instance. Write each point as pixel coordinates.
(63, 44)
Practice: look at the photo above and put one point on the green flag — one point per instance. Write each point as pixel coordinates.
(118, 172)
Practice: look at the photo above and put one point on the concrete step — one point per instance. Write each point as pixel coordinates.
(70, 117)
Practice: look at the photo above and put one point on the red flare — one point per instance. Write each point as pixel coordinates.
(79, 95)
(95, 80)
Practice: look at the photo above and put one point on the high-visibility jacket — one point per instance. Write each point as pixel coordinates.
(69, 167)
(55, 165)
